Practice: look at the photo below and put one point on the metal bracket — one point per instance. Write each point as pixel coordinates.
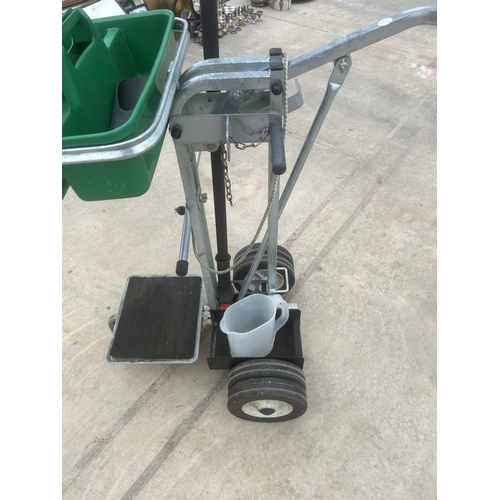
(287, 283)
(198, 131)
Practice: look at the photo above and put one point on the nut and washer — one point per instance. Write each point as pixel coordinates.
(237, 95)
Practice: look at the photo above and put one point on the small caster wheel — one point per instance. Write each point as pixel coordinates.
(285, 260)
(267, 390)
(112, 321)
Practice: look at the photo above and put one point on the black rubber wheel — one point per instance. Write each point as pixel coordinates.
(112, 320)
(282, 252)
(261, 367)
(267, 390)
(284, 259)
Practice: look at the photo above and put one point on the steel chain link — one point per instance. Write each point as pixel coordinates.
(227, 180)
(285, 95)
(258, 142)
(248, 250)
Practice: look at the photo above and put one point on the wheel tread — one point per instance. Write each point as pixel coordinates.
(261, 379)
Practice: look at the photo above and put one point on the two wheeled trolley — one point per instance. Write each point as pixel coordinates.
(122, 92)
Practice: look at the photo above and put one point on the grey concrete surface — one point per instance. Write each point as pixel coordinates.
(361, 226)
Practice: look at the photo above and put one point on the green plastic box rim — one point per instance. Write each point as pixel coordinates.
(127, 129)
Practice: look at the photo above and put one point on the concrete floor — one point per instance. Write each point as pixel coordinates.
(361, 226)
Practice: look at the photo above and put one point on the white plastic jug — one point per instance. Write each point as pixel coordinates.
(250, 324)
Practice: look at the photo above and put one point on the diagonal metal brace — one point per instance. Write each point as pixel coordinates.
(337, 78)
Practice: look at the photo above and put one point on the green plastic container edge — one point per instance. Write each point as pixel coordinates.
(124, 131)
(135, 174)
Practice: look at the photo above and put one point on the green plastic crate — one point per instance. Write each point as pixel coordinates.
(112, 180)
(97, 57)
(99, 54)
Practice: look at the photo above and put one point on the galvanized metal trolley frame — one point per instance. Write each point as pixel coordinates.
(217, 104)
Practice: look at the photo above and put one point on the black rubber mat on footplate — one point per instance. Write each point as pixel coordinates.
(159, 320)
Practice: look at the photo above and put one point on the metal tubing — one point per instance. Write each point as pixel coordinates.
(182, 263)
(331, 92)
(225, 291)
(188, 168)
(362, 38)
(186, 236)
(224, 65)
(335, 81)
(276, 161)
(219, 203)
(272, 231)
(238, 80)
(209, 19)
(255, 264)
(209, 22)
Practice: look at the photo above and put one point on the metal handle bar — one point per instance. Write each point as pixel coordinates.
(254, 72)
(224, 65)
(324, 54)
(362, 38)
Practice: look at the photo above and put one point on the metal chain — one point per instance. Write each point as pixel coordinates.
(285, 96)
(248, 250)
(227, 180)
(242, 146)
(258, 142)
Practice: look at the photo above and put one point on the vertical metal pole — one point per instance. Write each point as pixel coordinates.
(272, 250)
(209, 23)
(276, 105)
(223, 259)
(183, 264)
(188, 167)
(210, 28)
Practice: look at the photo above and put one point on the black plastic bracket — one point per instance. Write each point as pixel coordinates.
(287, 344)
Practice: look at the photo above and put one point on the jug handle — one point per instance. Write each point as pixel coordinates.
(279, 301)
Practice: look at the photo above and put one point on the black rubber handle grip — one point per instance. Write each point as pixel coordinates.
(277, 143)
(182, 267)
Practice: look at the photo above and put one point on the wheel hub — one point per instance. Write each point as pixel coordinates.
(267, 408)
(262, 274)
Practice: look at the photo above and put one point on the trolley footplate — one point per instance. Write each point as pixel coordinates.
(159, 320)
